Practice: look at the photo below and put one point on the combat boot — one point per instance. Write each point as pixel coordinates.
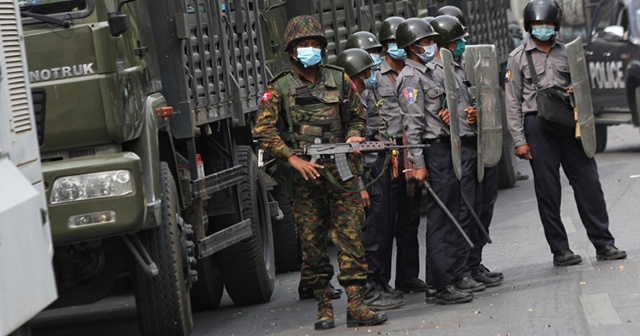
(325, 309)
(358, 313)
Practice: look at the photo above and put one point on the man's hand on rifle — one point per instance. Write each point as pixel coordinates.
(305, 168)
(357, 139)
(419, 175)
(444, 115)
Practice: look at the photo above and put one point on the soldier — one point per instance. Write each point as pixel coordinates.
(298, 107)
(489, 186)
(421, 100)
(547, 151)
(404, 206)
(358, 64)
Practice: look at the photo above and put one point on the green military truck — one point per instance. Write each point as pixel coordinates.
(143, 111)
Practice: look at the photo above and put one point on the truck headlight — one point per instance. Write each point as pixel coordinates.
(90, 186)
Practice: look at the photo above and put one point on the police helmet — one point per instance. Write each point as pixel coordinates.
(388, 28)
(303, 27)
(362, 40)
(428, 19)
(449, 29)
(412, 30)
(453, 11)
(354, 61)
(542, 10)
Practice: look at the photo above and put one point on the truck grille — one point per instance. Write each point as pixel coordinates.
(39, 98)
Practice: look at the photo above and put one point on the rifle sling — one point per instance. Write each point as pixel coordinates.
(335, 183)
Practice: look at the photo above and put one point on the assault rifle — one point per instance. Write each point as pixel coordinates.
(338, 152)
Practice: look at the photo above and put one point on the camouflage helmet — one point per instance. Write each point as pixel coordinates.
(412, 30)
(449, 28)
(388, 28)
(362, 40)
(303, 27)
(354, 61)
(542, 10)
(453, 11)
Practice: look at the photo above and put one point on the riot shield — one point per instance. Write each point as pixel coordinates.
(452, 103)
(481, 67)
(583, 108)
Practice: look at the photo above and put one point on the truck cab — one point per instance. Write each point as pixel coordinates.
(613, 58)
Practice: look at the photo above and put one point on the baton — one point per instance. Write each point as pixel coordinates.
(449, 214)
(475, 216)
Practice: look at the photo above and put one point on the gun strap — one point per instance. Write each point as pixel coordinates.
(335, 183)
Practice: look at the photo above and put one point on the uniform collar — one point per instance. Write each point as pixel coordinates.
(385, 67)
(530, 45)
(420, 66)
(322, 77)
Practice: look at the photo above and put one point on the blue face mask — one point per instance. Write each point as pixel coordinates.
(429, 53)
(376, 59)
(309, 56)
(371, 81)
(461, 45)
(544, 32)
(395, 53)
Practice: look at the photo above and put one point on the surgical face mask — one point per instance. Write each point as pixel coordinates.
(376, 60)
(370, 81)
(429, 52)
(543, 32)
(309, 56)
(395, 53)
(461, 45)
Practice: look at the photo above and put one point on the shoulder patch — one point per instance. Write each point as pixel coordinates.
(353, 86)
(507, 76)
(266, 96)
(410, 94)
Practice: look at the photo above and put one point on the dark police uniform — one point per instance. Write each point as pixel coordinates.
(550, 151)
(403, 212)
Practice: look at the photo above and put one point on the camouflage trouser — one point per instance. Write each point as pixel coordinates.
(320, 207)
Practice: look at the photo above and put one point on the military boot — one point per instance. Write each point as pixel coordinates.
(325, 309)
(358, 313)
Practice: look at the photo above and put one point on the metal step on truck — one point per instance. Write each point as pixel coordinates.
(144, 111)
(487, 23)
(26, 272)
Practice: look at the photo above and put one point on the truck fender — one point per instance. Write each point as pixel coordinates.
(632, 82)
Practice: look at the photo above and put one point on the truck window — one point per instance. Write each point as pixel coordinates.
(52, 6)
(603, 17)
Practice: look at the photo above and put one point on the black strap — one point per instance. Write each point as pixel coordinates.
(532, 70)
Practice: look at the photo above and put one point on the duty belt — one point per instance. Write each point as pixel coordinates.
(465, 141)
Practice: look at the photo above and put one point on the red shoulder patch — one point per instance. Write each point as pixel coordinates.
(353, 86)
(266, 96)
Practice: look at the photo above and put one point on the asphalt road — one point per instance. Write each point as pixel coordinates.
(536, 298)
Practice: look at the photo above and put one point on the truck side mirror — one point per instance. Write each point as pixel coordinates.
(118, 23)
(614, 33)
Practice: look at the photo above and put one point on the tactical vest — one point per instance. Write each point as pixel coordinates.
(313, 113)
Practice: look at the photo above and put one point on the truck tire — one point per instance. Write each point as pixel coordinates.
(285, 236)
(206, 293)
(162, 301)
(601, 138)
(248, 266)
(508, 165)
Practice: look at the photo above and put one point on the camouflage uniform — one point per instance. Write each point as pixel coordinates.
(319, 206)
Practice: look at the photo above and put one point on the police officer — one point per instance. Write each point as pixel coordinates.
(547, 151)
(421, 101)
(488, 193)
(298, 107)
(404, 197)
(359, 64)
(368, 42)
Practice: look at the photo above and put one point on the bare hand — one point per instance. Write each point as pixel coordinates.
(444, 115)
(366, 200)
(357, 139)
(570, 90)
(419, 175)
(472, 115)
(524, 152)
(305, 168)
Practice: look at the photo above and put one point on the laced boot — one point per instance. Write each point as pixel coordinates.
(358, 313)
(325, 309)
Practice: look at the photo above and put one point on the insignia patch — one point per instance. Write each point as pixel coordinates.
(353, 86)
(266, 96)
(507, 76)
(410, 94)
